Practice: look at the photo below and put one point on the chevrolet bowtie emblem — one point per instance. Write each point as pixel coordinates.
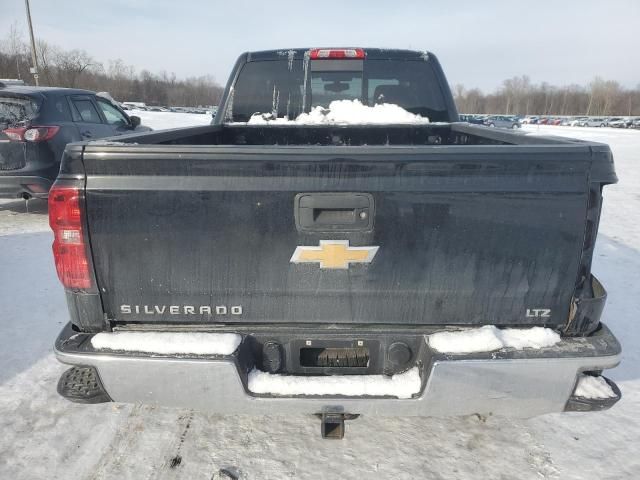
(336, 254)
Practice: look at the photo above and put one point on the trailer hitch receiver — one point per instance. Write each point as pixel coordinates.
(332, 424)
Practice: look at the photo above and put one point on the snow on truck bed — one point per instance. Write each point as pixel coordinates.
(345, 112)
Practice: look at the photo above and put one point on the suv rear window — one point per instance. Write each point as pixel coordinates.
(14, 110)
(278, 86)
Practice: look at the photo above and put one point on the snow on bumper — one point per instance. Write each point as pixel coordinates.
(519, 383)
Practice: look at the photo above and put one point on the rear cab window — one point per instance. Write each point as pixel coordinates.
(336, 80)
(288, 87)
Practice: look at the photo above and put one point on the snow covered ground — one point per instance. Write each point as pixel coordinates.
(162, 120)
(44, 436)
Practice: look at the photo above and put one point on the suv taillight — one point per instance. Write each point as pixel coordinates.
(69, 247)
(15, 134)
(40, 134)
(31, 134)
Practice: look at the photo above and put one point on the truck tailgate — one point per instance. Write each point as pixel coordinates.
(464, 235)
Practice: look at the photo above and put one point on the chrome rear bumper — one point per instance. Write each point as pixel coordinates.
(513, 383)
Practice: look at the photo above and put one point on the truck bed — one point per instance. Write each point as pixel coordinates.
(240, 134)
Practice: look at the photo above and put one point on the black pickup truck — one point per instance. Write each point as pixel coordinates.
(337, 269)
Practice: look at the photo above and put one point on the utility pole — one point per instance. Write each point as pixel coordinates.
(34, 57)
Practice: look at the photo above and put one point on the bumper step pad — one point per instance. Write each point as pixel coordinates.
(82, 385)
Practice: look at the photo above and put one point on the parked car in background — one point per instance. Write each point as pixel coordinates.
(11, 81)
(530, 120)
(618, 122)
(593, 122)
(474, 119)
(630, 121)
(36, 123)
(635, 122)
(502, 121)
(134, 105)
(577, 121)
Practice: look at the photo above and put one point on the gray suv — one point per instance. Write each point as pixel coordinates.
(36, 123)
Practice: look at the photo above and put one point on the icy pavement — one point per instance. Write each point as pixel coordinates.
(23, 217)
(44, 436)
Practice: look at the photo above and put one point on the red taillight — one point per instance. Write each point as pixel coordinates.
(336, 53)
(31, 134)
(15, 134)
(69, 248)
(40, 134)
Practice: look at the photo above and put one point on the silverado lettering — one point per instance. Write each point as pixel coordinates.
(181, 309)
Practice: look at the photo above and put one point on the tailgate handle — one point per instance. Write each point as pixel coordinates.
(344, 212)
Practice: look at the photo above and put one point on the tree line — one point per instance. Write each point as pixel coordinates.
(78, 69)
(518, 96)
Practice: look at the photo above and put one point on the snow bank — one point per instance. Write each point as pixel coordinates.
(402, 385)
(489, 338)
(164, 120)
(345, 112)
(168, 342)
(593, 387)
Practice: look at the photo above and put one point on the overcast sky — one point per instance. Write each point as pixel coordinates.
(479, 43)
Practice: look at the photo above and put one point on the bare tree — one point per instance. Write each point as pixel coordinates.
(71, 64)
(603, 97)
(517, 95)
(46, 55)
(16, 47)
